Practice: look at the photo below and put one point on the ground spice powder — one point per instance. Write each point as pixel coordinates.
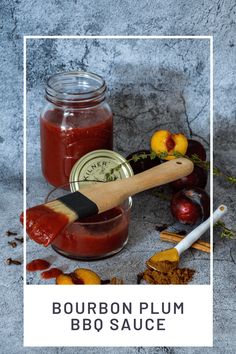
(174, 276)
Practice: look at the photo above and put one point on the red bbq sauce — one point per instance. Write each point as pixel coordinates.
(51, 273)
(76, 120)
(95, 236)
(43, 224)
(37, 264)
(62, 144)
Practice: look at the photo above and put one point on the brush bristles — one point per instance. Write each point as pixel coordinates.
(58, 207)
(44, 224)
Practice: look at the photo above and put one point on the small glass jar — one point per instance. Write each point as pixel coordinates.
(76, 120)
(94, 237)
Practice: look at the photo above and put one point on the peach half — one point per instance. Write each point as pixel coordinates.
(64, 279)
(80, 276)
(87, 276)
(162, 141)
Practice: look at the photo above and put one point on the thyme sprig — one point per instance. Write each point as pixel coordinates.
(152, 155)
(136, 157)
(206, 165)
(225, 231)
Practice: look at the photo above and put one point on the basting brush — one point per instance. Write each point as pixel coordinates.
(45, 222)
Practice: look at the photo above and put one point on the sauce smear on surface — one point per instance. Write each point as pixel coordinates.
(51, 273)
(37, 264)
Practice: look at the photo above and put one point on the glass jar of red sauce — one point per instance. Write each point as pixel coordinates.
(76, 120)
(95, 237)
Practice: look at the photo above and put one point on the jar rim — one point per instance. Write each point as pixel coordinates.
(75, 86)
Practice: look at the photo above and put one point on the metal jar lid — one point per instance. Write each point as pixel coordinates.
(99, 166)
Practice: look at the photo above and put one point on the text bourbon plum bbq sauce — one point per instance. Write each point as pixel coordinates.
(75, 121)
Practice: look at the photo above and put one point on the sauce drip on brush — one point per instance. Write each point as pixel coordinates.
(44, 224)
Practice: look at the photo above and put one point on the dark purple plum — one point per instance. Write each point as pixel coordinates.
(198, 178)
(190, 206)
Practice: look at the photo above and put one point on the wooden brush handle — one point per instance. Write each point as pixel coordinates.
(111, 194)
(159, 175)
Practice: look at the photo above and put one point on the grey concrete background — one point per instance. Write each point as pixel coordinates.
(121, 17)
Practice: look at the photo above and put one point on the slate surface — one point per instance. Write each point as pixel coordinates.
(165, 84)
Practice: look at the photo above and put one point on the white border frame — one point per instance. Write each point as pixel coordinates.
(27, 37)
